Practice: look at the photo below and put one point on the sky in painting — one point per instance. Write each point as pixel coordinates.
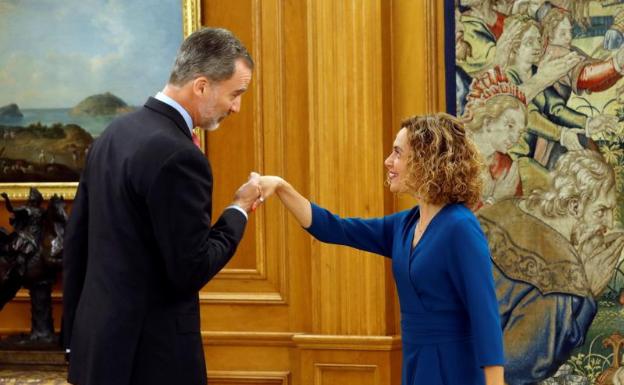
(54, 53)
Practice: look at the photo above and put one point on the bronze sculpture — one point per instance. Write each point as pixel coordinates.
(31, 257)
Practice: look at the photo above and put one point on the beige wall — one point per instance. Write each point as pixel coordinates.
(332, 82)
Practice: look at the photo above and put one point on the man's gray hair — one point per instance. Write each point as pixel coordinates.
(209, 52)
(578, 175)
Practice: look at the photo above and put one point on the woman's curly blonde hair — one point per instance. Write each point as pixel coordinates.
(444, 165)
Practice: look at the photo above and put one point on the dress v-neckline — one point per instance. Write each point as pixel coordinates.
(412, 247)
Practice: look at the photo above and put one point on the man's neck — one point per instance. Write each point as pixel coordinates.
(181, 96)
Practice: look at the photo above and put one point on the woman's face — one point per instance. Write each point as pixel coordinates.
(562, 35)
(504, 131)
(530, 49)
(396, 163)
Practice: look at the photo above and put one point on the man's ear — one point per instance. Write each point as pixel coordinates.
(201, 85)
(575, 207)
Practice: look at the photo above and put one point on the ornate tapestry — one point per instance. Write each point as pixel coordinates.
(539, 86)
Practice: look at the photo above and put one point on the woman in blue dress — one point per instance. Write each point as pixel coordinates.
(450, 326)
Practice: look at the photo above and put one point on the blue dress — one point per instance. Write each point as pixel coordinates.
(449, 313)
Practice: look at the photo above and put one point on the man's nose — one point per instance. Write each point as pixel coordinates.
(608, 220)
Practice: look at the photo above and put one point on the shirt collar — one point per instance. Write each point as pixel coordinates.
(167, 100)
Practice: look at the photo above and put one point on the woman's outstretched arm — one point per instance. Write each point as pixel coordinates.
(296, 203)
(374, 235)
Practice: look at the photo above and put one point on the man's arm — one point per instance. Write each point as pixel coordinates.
(179, 203)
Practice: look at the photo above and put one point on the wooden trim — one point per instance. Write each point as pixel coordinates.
(268, 298)
(229, 338)
(340, 342)
(248, 377)
(302, 340)
(431, 89)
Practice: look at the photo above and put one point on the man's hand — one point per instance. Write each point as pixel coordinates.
(549, 72)
(600, 123)
(248, 196)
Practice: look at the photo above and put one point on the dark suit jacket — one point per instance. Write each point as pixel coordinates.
(139, 246)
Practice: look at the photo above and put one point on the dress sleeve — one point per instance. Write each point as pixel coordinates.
(470, 268)
(557, 110)
(597, 75)
(373, 235)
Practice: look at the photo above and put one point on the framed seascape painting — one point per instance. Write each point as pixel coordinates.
(67, 68)
(539, 87)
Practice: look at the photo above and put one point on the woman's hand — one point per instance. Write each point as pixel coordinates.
(269, 184)
(296, 203)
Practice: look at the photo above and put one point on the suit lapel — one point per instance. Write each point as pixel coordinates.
(170, 112)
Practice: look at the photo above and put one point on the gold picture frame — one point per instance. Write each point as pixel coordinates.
(191, 21)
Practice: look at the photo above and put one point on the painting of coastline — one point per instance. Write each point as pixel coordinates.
(67, 69)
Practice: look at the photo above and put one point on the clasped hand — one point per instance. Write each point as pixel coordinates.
(255, 191)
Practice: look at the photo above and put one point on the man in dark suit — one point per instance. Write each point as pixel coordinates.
(139, 244)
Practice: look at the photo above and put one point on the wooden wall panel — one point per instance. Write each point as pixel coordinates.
(348, 88)
(418, 62)
(333, 79)
(233, 148)
(296, 152)
(330, 374)
(417, 69)
(257, 274)
(371, 361)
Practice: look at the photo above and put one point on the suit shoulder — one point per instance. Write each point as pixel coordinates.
(160, 137)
